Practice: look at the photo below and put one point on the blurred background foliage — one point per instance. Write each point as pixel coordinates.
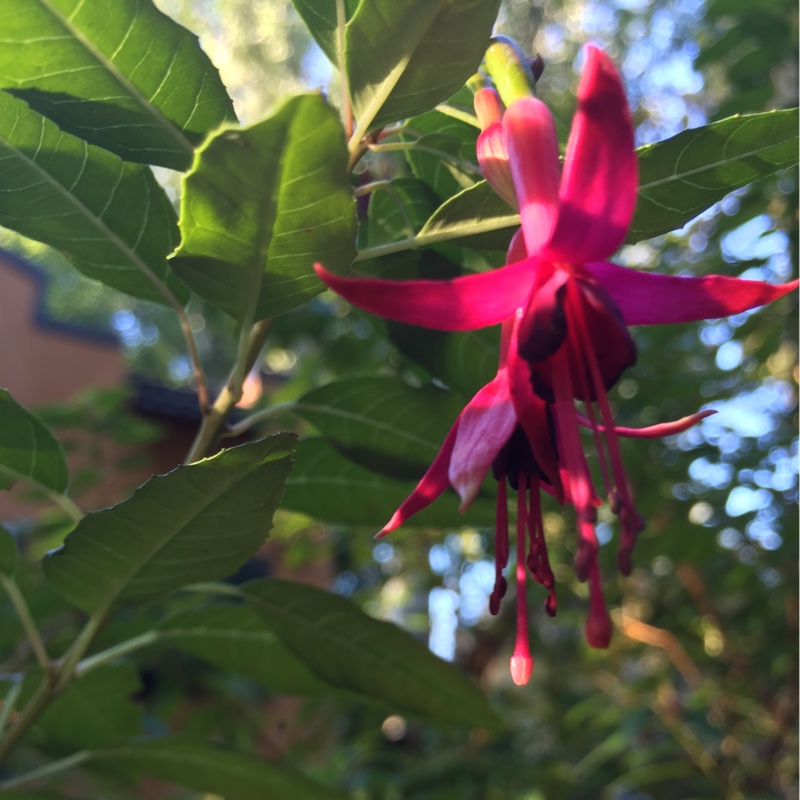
(697, 695)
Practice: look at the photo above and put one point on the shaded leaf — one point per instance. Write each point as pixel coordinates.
(353, 651)
(404, 58)
(120, 75)
(28, 449)
(197, 523)
(327, 486)
(111, 218)
(260, 205)
(236, 639)
(94, 711)
(382, 423)
(207, 768)
(464, 361)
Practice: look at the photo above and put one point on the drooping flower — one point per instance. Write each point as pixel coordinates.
(565, 312)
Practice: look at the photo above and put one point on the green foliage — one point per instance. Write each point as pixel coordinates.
(206, 768)
(132, 552)
(28, 450)
(404, 58)
(330, 487)
(685, 175)
(96, 711)
(111, 218)
(260, 205)
(348, 649)
(81, 64)
(237, 640)
(382, 423)
(321, 19)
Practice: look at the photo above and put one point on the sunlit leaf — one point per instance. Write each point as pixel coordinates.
(327, 486)
(320, 18)
(261, 205)
(28, 449)
(236, 639)
(197, 523)
(208, 768)
(111, 218)
(686, 174)
(404, 58)
(353, 651)
(121, 75)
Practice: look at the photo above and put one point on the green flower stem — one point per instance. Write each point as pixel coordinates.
(61, 500)
(259, 416)
(212, 427)
(31, 631)
(53, 768)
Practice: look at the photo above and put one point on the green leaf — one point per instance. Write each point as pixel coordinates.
(688, 173)
(678, 179)
(476, 217)
(464, 361)
(353, 651)
(236, 639)
(261, 205)
(404, 58)
(208, 768)
(456, 169)
(28, 449)
(120, 75)
(327, 486)
(320, 19)
(95, 710)
(111, 218)
(382, 423)
(197, 523)
(397, 210)
(9, 553)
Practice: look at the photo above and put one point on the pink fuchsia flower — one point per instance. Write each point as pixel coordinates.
(565, 309)
(494, 432)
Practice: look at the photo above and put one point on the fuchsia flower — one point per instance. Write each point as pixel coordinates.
(565, 312)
